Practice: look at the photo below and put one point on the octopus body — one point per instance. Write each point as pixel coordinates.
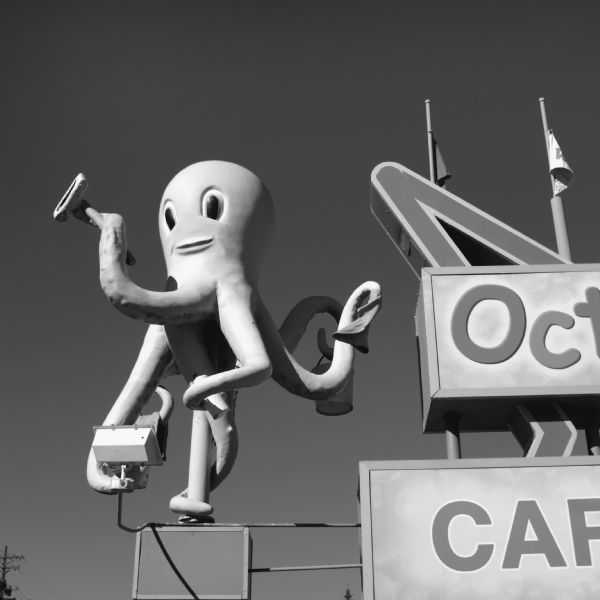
(210, 325)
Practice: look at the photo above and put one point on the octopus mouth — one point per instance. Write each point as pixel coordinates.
(194, 245)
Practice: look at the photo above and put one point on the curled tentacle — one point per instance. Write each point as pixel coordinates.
(295, 324)
(355, 318)
(153, 359)
(324, 348)
(366, 306)
(183, 305)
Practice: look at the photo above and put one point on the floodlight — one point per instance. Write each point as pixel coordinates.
(126, 445)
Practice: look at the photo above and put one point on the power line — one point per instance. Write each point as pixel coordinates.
(19, 595)
(38, 580)
(33, 589)
(33, 583)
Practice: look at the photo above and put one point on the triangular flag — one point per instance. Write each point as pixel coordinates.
(440, 170)
(559, 169)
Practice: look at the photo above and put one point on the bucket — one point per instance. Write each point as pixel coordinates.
(340, 403)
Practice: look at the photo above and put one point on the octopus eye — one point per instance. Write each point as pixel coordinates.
(212, 204)
(170, 217)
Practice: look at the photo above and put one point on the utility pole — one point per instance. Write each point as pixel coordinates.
(9, 563)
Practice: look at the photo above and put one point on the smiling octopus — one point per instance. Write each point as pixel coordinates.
(210, 324)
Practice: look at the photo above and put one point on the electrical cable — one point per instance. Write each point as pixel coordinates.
(153, 526)
(26, 587)
(43, 581)
(120, 522)
(172, 564)
(33, 588)
(208, 524)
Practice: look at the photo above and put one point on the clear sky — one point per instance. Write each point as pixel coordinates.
(310, 96)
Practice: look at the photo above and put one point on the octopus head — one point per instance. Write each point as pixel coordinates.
(215, 215)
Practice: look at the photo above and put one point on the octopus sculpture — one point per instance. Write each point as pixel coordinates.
(210, 324)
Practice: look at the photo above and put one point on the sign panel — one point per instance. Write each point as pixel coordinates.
(431, 226)
(214, 561)
(491, 336)
(476, 529)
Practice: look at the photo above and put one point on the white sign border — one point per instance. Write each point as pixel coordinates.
(366, 467)
(428, 347)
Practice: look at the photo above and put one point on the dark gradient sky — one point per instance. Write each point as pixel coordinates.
(310, 96)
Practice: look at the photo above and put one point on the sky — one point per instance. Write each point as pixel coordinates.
(311, 96)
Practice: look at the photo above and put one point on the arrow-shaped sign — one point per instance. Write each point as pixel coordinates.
(430, 226)
(433, 227)
(543, 429)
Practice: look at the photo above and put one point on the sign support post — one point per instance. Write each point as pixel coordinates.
(564, 249)
(452, 425)
(558, 215)
(452, 419)
(592, 434)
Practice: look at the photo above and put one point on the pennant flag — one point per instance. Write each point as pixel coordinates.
(441, 173)
(559, 169)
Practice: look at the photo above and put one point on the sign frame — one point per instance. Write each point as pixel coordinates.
(425, 221)
(367, 467)
(242, 531)
(498, 403)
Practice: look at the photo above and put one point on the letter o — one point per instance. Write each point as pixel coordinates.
(516, 328)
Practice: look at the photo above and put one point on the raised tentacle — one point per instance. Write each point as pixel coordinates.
(183, 305)
(356, 316)
(152, 362)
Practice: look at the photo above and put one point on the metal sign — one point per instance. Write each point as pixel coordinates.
(433, 227)
(214, 561)
(491, 336)
(544, 429)
(473, 529)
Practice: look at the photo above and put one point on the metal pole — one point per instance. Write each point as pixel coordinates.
(430, 141)
(558, 215)
(592, 433)
(305, 568)
(451, 422)
(451, 419)
(560, 227)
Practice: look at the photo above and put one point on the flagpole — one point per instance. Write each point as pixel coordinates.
(562, 241)
(558, 214)
(430, 140)
(451, 420)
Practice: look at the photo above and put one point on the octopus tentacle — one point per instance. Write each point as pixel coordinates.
(184, 305)
(244, 338)
(224, 433)
(358, 312)
(167, 403)
(153, 360)
(294, 325)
